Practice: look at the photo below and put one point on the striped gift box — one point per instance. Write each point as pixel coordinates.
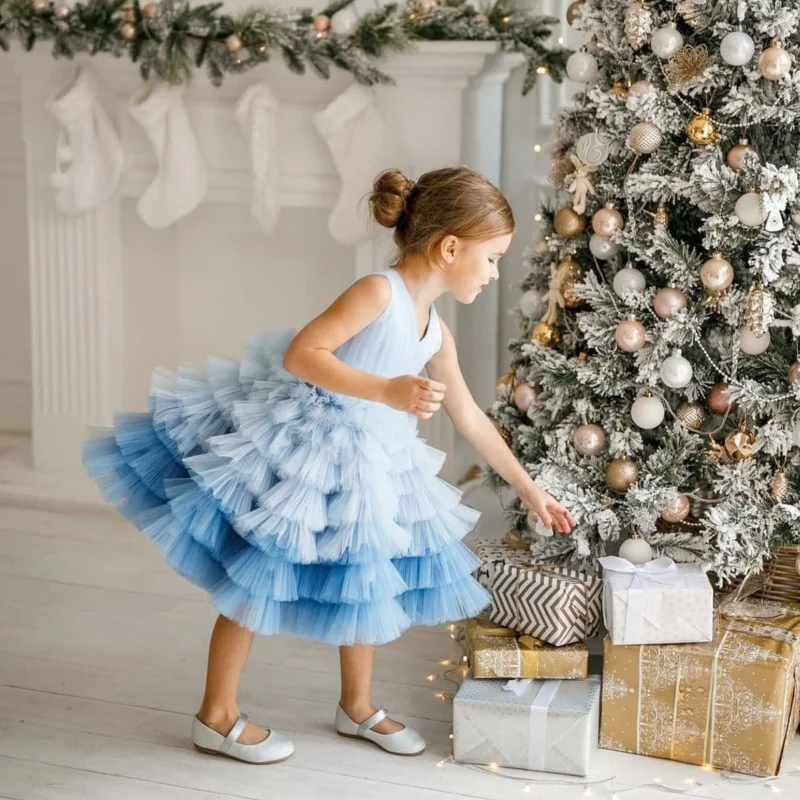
(554, 605)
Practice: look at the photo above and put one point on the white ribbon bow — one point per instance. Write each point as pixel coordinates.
(642, 577)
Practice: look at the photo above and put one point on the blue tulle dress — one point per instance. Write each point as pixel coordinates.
(299, 510)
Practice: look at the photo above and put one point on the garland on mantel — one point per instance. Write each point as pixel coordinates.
(172, 37)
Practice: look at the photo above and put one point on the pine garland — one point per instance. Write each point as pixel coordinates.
(171, 38)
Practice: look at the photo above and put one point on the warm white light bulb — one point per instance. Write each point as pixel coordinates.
(537, 148)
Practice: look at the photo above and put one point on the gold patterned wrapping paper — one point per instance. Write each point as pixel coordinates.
(498, 652)
(730, 703)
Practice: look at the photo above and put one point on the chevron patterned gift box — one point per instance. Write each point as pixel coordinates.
(548, 603)
(494, 553)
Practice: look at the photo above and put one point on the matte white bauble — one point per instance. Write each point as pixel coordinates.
(676, 371)
(344, 21)
(532, 303)
(647, 412)
(602, 248)
(748, 210)
(637, 551)
(750, 343)
(666, 41)
(582, 67)
(737, 48)
(628, 280)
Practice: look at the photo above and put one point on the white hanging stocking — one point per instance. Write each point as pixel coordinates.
(257, 113)
(362, 145)
(89, 153)
(182, 179)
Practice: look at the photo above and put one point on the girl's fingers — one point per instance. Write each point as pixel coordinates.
(433, 397)
(432, 407)
(432, 386)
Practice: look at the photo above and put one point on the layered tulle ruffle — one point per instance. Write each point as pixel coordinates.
(297, 509)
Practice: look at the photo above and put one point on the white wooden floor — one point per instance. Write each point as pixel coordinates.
(102, 657)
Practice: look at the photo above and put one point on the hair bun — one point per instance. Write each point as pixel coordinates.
(387, 201)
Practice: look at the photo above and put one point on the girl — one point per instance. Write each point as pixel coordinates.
(293, 487)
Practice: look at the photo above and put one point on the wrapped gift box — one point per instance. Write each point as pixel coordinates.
(498, 652)
(731, 703)
(657, 603)
(493, 553)
(555, 605)
(550, 726)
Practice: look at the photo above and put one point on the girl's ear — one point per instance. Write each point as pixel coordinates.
(448, 249)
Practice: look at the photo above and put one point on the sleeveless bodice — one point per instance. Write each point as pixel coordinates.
(390, 346)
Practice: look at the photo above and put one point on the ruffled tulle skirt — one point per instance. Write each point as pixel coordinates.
(297, 509)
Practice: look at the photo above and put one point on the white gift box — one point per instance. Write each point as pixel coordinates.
(544, 725)
(659, 602)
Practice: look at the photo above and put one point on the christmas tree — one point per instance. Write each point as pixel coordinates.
(654, 383)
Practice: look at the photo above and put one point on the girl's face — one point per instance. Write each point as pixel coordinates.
(471, 265)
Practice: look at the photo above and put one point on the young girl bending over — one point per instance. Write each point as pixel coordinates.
(293, 487)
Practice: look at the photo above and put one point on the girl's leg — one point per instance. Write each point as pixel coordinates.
(356, 665)
(227, 655)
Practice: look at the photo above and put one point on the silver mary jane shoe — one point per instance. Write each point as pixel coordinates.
(405, 742)
(273, 749)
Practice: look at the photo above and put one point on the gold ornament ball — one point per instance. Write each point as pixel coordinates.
(61, 11)
(793, 373)
(737, 153)
(630, 335)
(574, 12)
(677, 509)
(322, 23)
(621, 474)
(545, 334)
(568, 223)
(645, 138)
(719, 399)
(574, 276)
(668, 302)
(702, 130)
(779, 488)
(40, 6)
(619, 89)
(607, 221)
(739, 444)
(693, 415)
(233, 42)
(128, 31)
(774, 62)
(589, 440)
(149, 10)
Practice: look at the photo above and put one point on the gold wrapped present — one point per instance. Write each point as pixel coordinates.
(498, 652)
(730, 703)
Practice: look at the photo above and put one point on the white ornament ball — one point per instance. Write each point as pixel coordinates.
(666, 41)
(582, 67)
(647, 412)
(750, 343)
(642, 87)
(737, 48)
(748, 210)
(637, 551)
(589, 439)
(532, 303)
(676, 371)
(628, 280)
(602, 248)
(593, 149)
(344, 21)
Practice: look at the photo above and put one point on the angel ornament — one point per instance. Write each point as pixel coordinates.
(580, 185)
(773, 206)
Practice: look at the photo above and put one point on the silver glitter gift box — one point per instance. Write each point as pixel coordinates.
(548, 726)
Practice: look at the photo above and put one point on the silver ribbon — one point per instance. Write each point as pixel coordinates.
(537, 721)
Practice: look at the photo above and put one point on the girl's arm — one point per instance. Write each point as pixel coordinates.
(473, 424)
(310, 355)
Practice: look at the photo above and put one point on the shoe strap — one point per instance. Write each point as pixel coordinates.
(235, 733)
(370, 722)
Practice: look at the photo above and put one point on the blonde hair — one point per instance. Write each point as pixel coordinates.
(454, 201)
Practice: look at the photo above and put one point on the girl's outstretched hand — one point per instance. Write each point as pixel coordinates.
(416, 395)
(547, 508)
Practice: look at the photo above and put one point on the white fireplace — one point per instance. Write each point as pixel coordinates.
(91, 303)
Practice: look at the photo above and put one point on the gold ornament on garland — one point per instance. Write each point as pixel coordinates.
(737, 153)
(621, 474)
(759, 310)
(739, 444)
(574, 12)
(702, 130)
(686, 66)
(569, 224)
(645, 138)
(638, 24)
(619, 89)
(693, 415)
(572, 275)
(676, 509)
(233, 43)
(128, 31)
(695, 15)
(546, 334)
(779, 489)
(716, 452)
